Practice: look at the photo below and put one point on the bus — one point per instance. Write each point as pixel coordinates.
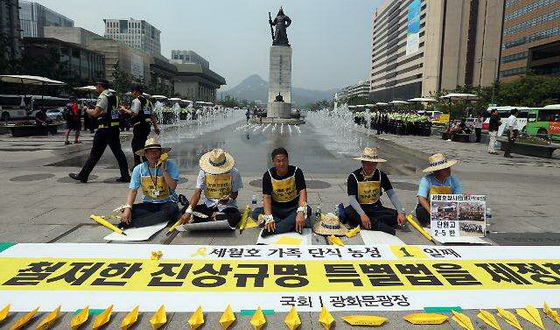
(545, 121)
(504, 112)
(14, 107)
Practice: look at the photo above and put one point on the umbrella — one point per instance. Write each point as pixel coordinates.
(381, 104)
(187, 101)
(85, 88)
(461, 96)
(370, 105)
(159, 97)
(175, 99)
(422, 99)
(398, 102)
(30, 80)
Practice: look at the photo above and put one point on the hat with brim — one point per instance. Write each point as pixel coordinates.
(370, 155)
(152, 143)
(329, 224)
(216, 161)
(439, 162)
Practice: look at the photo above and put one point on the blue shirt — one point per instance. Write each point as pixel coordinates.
(153, 185)
(430, 180)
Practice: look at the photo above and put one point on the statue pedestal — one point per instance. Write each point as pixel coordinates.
(280, 81)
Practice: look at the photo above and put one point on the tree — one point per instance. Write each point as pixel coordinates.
(121, 79)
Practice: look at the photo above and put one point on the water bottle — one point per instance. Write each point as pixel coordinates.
(318, 213)
(254, 202)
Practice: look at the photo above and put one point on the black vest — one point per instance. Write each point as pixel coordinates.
(111, 116)
(143, 117)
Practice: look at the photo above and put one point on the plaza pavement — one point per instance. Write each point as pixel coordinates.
(40, 203)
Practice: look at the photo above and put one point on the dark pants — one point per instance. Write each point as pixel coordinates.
(422, 215)
(140, 135)
(231, 214)
(284, 217)
(382, 218)
(149, 214)
(102, 138)
(511, 143)
(478, 133)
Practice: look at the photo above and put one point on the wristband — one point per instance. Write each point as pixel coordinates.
(189, 210)
(126, 206)
(268, 219)
(302, 209)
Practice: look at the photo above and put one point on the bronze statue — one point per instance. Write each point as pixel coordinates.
(280, 38)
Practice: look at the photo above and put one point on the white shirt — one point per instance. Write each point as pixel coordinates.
(478, 122)
(512, 122)
(135, 106)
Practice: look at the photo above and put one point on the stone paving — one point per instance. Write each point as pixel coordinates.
(41, 204)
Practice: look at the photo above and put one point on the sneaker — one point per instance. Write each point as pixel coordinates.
(219, 216)
(123, 180)
(77, 142)
(508, 156)
(77, 177)
(67, 142)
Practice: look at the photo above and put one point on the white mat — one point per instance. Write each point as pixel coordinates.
(374, 237)
(292, 238)
(208, 225)
(462, 240)
(136, 234)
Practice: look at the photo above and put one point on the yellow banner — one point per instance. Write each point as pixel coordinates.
(71, 274)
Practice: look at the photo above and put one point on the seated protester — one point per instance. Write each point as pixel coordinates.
(285, 206)
(218, 184)
(158, 181)
(439, 181)
(41, 118)
(365, 186)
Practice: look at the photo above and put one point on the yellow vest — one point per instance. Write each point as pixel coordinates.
(440, 190)
(368, 191)
(157, 190)
(217, 185)
(284, 190)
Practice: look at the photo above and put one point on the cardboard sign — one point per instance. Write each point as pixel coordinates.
(458, 215)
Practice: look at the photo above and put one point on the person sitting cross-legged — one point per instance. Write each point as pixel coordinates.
(285, 206)
(158, 180)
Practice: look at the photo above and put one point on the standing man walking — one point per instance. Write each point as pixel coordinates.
(513, 130)
(142, 119)
(73, 121)
(495, 123)
(478, 127)
(107, 115)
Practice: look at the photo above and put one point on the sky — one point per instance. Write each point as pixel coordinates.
(330, 39)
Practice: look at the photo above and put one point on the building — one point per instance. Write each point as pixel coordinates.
(188, 56)
(137, 34)
(34, 17)
(531, 38)
(75, 59)
(421, 47)
(10, 36)
(196, 82)
(361, 89)
(76, 35)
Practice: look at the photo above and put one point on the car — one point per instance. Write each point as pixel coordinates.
(55, 114)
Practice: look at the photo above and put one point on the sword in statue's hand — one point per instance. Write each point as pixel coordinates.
(271, 29)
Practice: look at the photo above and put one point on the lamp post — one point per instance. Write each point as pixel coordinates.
(495, 75)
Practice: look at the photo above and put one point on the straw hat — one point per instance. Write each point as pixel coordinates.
(329, 225)
(439, 162)
(152, 143)
(216, 161)
(370, 155)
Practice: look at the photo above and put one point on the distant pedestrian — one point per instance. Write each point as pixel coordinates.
(107, 115)
(73, 120)
(478, 127)
(248, 115)
(41, 118)
(495, 123)
(513, 131)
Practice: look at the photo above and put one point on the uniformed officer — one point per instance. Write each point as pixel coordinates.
(107, 115)
(142, 119)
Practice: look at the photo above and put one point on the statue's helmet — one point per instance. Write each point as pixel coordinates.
(281, 11)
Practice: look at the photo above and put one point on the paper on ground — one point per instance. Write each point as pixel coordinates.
(208, 225)
(292, 238)
(462, 240)
(136, 234)
(372, 237)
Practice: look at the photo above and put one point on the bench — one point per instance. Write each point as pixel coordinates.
(33, 130)
(528, 149)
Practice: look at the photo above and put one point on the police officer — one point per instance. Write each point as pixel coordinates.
(142, 119)
(107, 115)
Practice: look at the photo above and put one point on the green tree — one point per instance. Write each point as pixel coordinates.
(121, 80)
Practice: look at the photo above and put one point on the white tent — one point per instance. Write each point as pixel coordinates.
(30, 80)
(381, 104)
(174, 99)
(157, 97)
(398, 102)
(461, 96)
(422, 99)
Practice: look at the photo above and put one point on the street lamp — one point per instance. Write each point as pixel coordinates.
(495, 76)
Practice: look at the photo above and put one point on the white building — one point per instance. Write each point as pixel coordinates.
(137, 34)
(188, 56)
(361, 89)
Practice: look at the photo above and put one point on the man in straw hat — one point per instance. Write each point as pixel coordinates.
(438, 181)
(158, 180)
(285, 206)
(365, 187)
(218, 184)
